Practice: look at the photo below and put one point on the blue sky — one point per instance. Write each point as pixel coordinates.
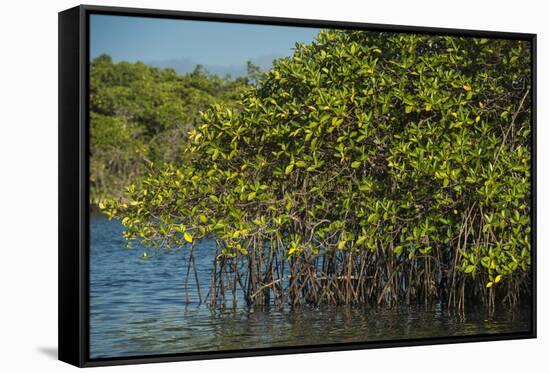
(221, 47)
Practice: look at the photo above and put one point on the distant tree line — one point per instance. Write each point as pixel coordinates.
(140, 115)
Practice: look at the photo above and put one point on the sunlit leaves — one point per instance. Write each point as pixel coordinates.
(188, 237)
(411, 147)
(289, 168)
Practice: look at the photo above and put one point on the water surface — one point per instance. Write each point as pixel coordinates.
(139, 307)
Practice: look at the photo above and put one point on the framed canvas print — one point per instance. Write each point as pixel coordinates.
(238, 186)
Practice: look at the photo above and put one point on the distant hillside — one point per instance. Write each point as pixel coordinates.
(184, 66)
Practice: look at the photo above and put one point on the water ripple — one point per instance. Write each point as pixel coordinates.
(137, 307)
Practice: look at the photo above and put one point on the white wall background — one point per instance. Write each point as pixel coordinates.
(28, 184)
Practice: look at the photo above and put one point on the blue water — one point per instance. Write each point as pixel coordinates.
(139, 307)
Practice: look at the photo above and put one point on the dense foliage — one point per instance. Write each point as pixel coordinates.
(366, 168)
(141, 114)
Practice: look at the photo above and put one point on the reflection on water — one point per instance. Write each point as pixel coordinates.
(138, 307)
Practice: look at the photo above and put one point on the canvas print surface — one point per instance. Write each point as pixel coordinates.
(257, 186)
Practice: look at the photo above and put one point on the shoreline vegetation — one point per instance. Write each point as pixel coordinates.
(368, 168)
(140, 116)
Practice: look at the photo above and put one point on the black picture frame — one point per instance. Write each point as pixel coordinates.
(74, 206)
